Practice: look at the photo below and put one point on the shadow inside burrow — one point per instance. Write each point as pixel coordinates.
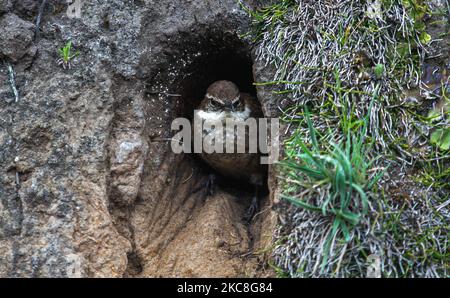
(223, 60)
(231, 65)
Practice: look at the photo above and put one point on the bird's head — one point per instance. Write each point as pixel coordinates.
(223, 96)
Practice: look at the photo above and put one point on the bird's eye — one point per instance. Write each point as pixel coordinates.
(215, 104)
(236, 103)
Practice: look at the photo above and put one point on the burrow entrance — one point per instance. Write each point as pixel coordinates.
(211, 57)
(174, 229)
(229, 63)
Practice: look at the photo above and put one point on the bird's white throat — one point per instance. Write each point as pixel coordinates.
(217, 116)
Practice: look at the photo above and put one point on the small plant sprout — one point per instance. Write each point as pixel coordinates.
(66, 55)
(378, 70)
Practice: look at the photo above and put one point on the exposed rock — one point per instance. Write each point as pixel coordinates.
(26, 7)
(16, 38)
(128, 152)
(5, 6)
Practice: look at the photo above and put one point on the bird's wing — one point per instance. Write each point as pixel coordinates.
(253, 103)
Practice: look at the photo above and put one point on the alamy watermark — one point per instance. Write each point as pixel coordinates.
(74, 8)
(254, 135)
(374, 266)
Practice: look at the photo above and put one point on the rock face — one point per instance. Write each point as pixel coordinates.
(88, 186)
(16, 39)
(5, 5)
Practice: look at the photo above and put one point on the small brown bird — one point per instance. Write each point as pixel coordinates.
(223, 101)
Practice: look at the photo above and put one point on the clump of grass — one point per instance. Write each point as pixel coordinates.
(66, 55)
(333, 56)
(308, 41)
(336, 178)
(346, 210)
(275, 13)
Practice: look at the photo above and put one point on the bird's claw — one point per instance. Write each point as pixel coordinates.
(208, 186)
(251, 210)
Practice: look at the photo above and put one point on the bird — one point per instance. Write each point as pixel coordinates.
(223, 100)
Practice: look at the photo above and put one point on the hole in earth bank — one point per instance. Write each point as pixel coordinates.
(232, 62)
(195, 62)
(177, 229)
